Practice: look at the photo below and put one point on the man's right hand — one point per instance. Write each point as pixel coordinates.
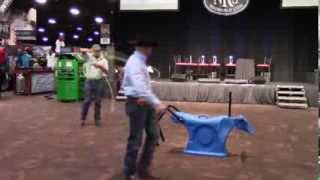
(97, 65)
(160, 108)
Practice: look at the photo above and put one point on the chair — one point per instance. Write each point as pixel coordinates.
(264, 69)
(229, 69)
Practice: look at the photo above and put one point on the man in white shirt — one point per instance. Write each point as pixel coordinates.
(94, 70)
(51, 59)
(59, 44)
(141, 108)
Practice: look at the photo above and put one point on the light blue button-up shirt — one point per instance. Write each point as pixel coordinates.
(136, 81)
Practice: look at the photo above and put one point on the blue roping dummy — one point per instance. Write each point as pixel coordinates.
(208, 135)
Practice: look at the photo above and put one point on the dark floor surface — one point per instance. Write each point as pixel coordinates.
(41, 139)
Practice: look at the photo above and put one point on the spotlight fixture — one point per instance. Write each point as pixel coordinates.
(79, 28)
(74, 11)
(41, 30)
(52, 21)
(75, 36)
(45, 39)
(90, 39)
(98, 19)
(41, 1)
(96, 33)
(61, 33)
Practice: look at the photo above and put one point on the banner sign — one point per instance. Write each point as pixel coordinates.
(226, 7)
(148, 5)
(4, 30)
(23, 26)
(105, 34)
(299, 3)
(26, 35)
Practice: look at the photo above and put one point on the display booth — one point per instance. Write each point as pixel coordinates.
(34, 81)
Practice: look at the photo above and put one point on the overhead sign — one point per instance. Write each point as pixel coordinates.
(26, 35)
(105, 34)
(226, 7)
(148, 5)
(23, 26)
(299, 3)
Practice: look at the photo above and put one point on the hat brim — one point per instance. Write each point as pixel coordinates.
(96, 47)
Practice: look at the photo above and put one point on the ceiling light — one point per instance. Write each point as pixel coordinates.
(41, 1)
(96, 33)
(98, 19)
(41, 30)
(90, 39)
(74, 11)
(45, 39)
(52, 21)
(61, 33)
(79, 28)
(75, 36)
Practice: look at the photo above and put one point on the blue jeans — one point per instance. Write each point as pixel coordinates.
(93, 90)
(141, 118)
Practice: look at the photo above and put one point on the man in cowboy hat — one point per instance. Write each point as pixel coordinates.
(141, 107)
(94, 70)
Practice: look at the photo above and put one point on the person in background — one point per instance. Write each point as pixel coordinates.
(19, 58)
(59, 44)
(84, 55)
(51, 59)
(51, 64)
(12, 65)
(141, 107)
(3, 67)
(25, 59)
(94, 70)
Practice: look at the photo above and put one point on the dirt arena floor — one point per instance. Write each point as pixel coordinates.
(41, 139)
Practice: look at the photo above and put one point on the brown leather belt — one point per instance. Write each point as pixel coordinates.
(136, 101)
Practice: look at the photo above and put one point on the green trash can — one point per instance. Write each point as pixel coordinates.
(69, 78)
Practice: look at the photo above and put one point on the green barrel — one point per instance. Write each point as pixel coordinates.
(69, 78)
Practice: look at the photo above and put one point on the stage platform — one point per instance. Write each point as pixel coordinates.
(218, 92)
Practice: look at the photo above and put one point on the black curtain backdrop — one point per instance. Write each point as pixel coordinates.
(290, 36)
